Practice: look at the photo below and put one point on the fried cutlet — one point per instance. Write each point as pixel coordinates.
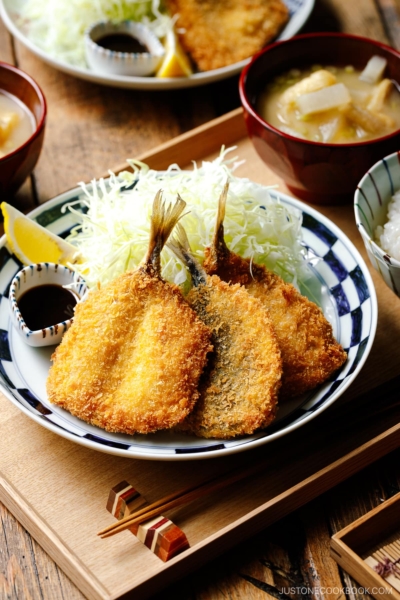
(217, 33)
(239, 387)
(309, 351)
(132, 359)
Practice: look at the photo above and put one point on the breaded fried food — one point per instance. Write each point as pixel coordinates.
(132, 359)
(309, 351)
(239, 387)
(217, 33)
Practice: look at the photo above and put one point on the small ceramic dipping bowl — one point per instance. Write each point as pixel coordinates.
(41, 308)
(17, 165)
(125, 48)
(371, 200)
(317, 172)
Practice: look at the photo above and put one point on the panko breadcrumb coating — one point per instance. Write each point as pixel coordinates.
(310, 353)
(239, 387)
(217, 33)
(132, 359)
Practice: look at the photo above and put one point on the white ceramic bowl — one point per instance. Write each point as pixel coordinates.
(32, 277)
(112, 62)
(371, 200)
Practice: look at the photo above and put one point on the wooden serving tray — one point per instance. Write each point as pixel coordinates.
(58, 490)
(352, 548)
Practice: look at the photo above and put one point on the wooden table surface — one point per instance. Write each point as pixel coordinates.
(91, 129)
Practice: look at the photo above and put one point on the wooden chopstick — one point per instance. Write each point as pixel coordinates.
(149, 507)
(178, 499)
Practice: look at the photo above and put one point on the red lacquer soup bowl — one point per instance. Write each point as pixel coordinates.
(17, 164)
(320, 173)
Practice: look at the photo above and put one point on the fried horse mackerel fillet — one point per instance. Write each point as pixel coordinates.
(132, 359)
(310, 353)
(239, 387)
(217, 33)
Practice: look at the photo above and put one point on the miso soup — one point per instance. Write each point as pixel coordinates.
(331, 105)
(17, 123)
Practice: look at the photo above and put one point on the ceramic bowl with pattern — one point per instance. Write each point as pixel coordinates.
(115, 62)
(371, 200)
(338, 281)
(48, 277)
(318, 172)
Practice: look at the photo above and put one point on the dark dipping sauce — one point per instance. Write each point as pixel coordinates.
(46, 305)
(121, 42)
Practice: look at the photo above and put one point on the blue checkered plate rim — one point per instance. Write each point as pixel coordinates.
(339, 281)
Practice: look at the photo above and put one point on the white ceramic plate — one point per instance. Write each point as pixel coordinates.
(299, 13)
(339, 281)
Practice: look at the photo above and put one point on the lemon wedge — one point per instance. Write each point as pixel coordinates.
(32, 243)
(175, 62)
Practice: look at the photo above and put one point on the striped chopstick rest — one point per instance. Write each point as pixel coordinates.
(123, 500)
(159, 534)
(162, 537)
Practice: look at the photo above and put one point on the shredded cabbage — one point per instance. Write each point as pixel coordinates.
(114, 233)
(58, 26)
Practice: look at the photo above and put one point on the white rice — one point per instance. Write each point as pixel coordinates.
(388, 236)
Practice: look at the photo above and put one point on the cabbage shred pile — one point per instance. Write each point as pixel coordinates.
(113, 235)
(58, 26)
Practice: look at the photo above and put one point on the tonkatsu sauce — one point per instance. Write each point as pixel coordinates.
(46, 305)
(121, 42)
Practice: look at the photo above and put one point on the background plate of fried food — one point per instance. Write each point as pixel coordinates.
(220, 32)
(337, 280)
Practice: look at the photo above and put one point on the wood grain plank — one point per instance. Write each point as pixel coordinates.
(16, 578)
(320, 570)
(390, 11)
(26, 570)
(360, 18)
(6, 46)
(21, 508)
(195, 145)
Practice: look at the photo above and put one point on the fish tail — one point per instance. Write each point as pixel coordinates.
(163, 220)
(218, 252)
(219, 225)
(180, 245)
